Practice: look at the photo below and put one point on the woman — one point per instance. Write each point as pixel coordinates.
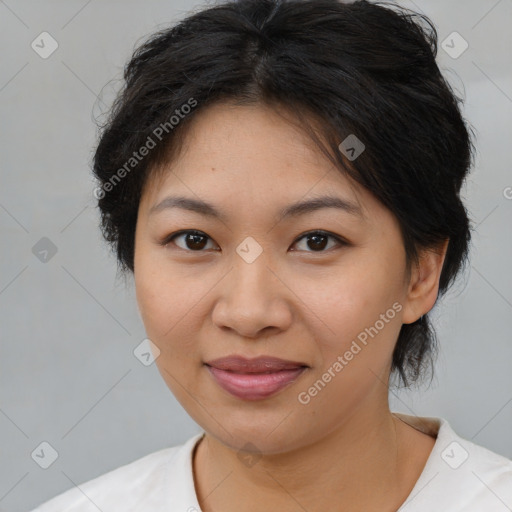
(283, 180)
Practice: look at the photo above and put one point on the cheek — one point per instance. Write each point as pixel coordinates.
(168, 316)
(361, 304)
(156, 296)
(149, 298)
(354, 342)
(169, 301)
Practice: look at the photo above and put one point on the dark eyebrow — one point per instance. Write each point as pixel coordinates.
(293, 210)
(311, 205)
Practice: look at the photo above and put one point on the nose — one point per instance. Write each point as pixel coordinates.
(252, 300)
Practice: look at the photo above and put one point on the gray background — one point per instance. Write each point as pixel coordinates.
(69, 326)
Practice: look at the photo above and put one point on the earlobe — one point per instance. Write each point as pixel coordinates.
(424, 283)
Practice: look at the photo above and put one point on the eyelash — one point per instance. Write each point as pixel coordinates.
(169, 238)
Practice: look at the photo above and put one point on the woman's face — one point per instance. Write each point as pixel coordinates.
(252, 284)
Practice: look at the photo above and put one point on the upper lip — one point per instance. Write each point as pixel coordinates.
(259, 364)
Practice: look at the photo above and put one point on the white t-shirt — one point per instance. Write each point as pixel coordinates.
(459, 476)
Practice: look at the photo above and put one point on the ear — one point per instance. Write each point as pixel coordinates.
(424, 283)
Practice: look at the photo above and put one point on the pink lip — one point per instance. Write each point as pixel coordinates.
(254, 379)
(254, 386)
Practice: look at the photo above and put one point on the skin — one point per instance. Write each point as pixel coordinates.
(295, 301)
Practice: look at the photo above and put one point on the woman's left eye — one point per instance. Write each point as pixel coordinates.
(318, 238)
(197, 239)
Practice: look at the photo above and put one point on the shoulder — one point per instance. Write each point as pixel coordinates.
(133, 486)
(462, 476)
(486, 476)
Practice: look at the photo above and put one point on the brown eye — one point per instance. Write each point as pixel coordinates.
(194, 241)
(197, 241)
(317, 240)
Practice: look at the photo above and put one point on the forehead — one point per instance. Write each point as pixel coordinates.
(245, 156)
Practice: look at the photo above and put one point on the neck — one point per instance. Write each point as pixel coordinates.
(358, 465)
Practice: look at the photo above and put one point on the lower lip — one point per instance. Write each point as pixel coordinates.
(254, 386)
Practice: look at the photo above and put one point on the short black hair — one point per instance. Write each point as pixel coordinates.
(361, 68)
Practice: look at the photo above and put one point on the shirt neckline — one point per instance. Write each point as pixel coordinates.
(185, 496)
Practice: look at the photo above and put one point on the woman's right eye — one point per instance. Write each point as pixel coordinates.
(191, 240)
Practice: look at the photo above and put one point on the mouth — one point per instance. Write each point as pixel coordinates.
(261, 364)
(254, 379)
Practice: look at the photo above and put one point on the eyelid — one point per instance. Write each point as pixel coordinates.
(339, 239)
(168, 238)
